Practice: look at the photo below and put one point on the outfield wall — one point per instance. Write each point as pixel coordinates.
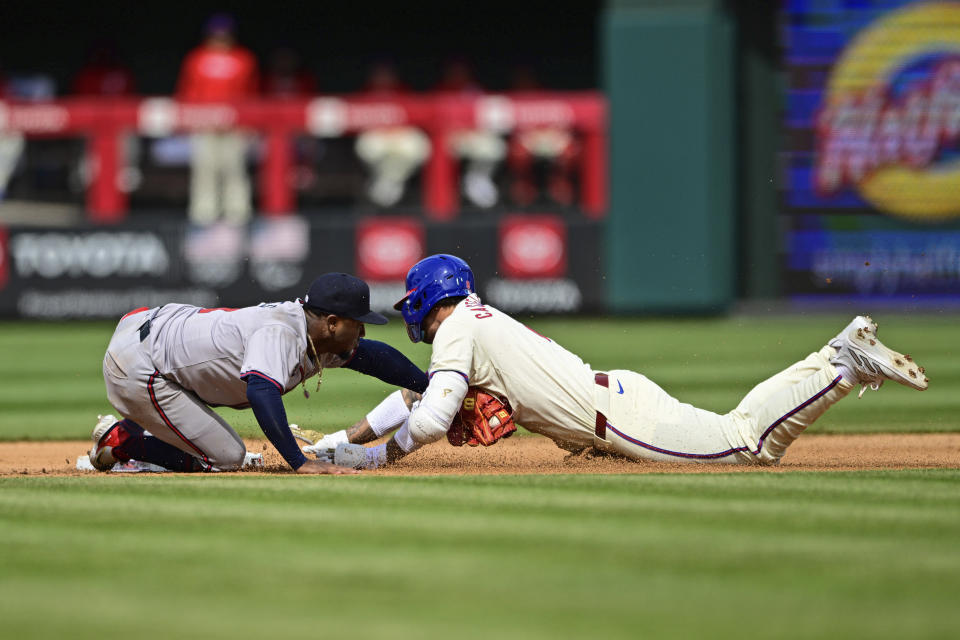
(671, 232)
(537, 263)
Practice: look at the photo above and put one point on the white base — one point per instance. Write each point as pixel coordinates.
(250, 461)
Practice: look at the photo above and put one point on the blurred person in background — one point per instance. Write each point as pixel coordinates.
(481, 150)
(286, 78)
(21, 87)
(105, 75)
(285, 75)
(11, 144)
(552, 145)
(392, 154)
(219, 71)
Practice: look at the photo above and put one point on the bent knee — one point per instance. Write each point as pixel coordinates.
(230, 458)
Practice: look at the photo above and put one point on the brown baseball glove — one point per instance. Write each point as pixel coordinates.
(482, 419)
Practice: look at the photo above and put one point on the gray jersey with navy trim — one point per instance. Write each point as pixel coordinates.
(210, 351)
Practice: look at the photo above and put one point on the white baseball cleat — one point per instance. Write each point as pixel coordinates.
(860, 322)
(103, 424)
(860, 350)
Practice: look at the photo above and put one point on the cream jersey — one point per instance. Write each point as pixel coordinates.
(550, 389)
(211, 351)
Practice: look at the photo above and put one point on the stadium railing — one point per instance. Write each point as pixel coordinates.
(103, 122)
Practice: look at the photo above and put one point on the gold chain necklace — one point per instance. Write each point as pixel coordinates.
(303, 381)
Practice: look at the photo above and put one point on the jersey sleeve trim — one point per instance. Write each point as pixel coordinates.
(254, 372)
(460, 373)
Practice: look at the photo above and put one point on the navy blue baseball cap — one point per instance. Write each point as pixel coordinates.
(342, 295)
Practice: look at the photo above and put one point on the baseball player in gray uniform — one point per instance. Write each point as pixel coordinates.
(166, 367)
(554, 393)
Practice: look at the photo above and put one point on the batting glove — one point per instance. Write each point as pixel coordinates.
(357, 456)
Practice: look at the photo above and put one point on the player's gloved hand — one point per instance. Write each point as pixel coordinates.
(324, 446)
(357, 456)
(306, 435)
(483, 419)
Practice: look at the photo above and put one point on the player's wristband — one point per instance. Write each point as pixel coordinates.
(376, 456)
(389, 414)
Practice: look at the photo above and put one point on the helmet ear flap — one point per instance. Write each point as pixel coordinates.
(414, 332)
(413, 313)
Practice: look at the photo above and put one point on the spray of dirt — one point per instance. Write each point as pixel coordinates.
(537, 455)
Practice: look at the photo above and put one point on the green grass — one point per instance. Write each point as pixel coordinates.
(839, 555)
(51, 384)
(785, 555)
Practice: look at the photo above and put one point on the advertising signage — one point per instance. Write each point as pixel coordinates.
(522, 263)
(871, 184)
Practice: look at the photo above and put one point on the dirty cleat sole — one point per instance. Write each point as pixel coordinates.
(860, 350)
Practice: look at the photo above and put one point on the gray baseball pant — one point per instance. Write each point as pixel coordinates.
(164, 408)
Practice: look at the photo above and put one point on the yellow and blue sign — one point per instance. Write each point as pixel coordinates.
(879, 93)
(871, 196)
(891, 115)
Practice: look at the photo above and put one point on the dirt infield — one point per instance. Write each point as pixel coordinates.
(531, 454)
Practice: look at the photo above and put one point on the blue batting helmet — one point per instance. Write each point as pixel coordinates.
(428, 282)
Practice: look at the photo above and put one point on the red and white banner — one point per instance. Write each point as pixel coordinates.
(387, 248)
(533, 246)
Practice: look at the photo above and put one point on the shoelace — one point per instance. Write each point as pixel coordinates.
(875, 386)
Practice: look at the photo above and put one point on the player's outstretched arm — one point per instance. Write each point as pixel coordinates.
(382, 361)
(387, 416)
(354, 455)
(358, 456)
(265, 400)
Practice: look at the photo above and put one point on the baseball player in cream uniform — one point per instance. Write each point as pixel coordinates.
(554, 393)
(166, 367)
